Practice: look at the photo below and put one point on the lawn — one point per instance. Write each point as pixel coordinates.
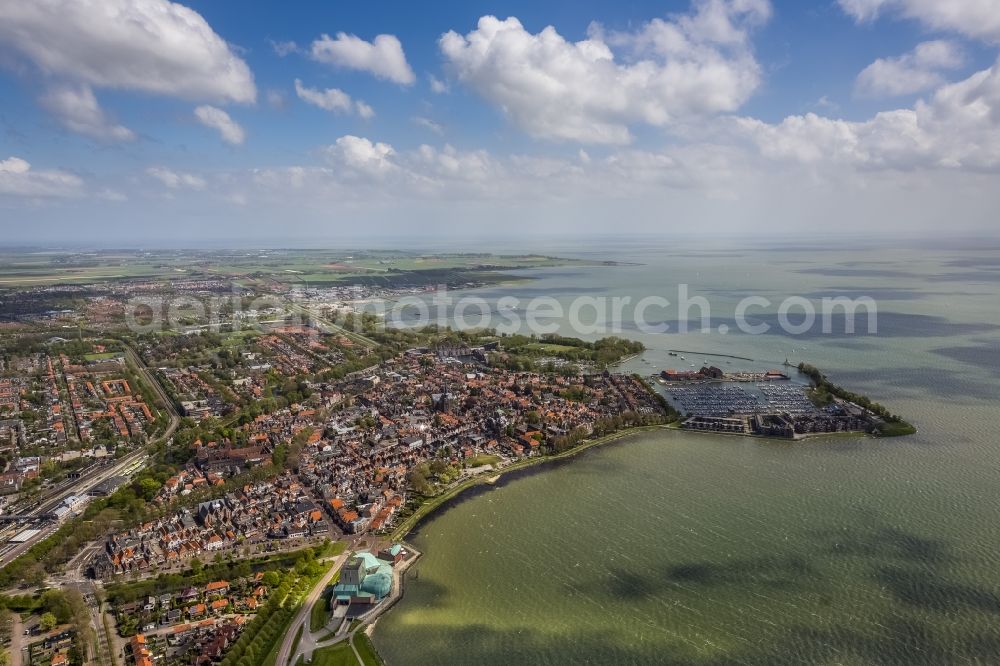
(101, 357)
(339, 654)
(482, 459)
(320, 613)
(549, 348)
(367, 651)
(237, 338)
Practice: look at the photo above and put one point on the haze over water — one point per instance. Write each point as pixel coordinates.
(690, 548)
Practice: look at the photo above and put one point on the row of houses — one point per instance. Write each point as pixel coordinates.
(281, 509)
(215, 599)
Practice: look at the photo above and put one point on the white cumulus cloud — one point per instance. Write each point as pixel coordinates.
(154, 46)
(978, 19)
(437, 85)
(451, 164)
(958, 127)
(362, 155)
(360, 169)
(429, 124)
(333, 99)
(284, 48)
(176, 179)
(668, 70)
(77, 109)
(17, 178)
(919, 70)
(230, 131)
(382, 57)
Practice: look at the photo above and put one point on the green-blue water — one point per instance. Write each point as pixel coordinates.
(699, 549)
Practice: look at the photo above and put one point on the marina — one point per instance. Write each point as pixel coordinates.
(754, 403)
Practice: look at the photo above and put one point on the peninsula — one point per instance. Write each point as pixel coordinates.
(771, 404)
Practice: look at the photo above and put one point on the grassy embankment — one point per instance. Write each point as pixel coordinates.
(363, 644)
(298, 637)
(320, 612)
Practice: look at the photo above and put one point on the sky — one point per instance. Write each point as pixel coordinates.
(128, 122)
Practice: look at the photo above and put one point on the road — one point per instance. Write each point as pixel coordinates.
(74, 571)
(305, 611)
(329, 327)
(102, 647)
(16, 638)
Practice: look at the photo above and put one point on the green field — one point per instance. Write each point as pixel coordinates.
(24, 269)
(549, 348)
(101, 357)
(364, 646)
(482, 459)
(339, 654)
(41, 268)
(320, 613)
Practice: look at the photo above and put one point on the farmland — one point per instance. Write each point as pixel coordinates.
(42, 268)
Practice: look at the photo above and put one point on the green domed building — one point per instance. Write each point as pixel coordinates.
(364, 579)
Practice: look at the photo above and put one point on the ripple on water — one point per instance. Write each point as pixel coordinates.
(706, 549)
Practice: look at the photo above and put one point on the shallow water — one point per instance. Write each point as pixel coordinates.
(701, 549)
